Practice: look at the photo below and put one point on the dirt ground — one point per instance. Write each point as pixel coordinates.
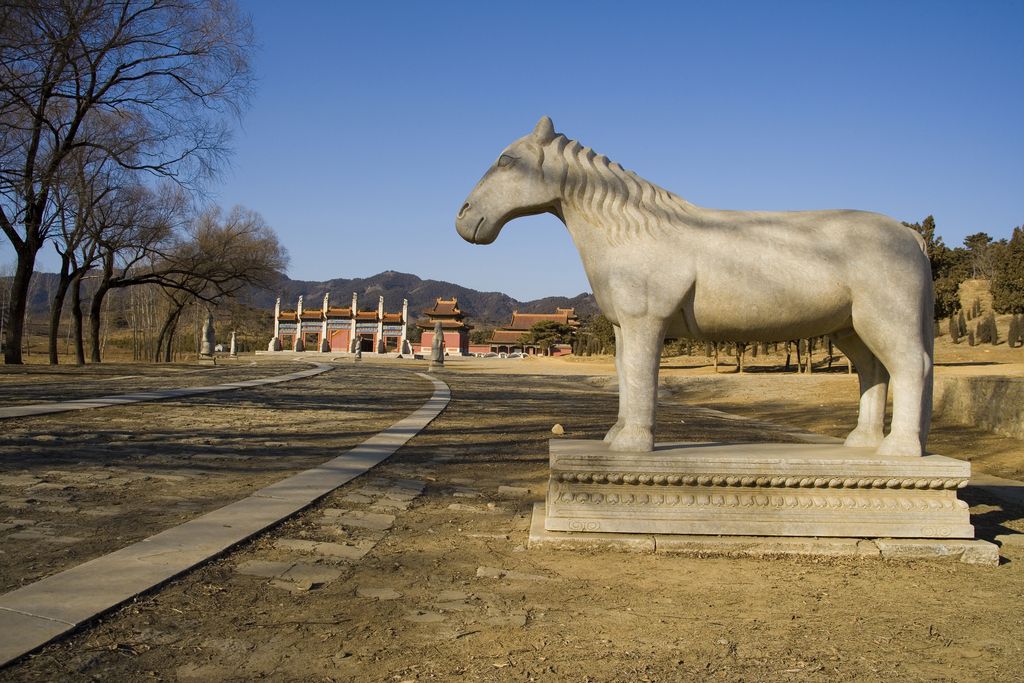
(446, 588)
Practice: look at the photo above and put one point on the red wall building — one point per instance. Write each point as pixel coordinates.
(456, 331)
(506, 339)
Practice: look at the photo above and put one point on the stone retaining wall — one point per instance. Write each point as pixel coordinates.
(995, 403)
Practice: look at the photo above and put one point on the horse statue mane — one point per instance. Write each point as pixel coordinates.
(609, 196)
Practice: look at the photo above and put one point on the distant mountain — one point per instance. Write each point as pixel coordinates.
(482, 307)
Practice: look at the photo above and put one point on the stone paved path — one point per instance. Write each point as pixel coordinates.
(40, 612)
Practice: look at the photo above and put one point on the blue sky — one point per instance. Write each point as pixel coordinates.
(374, 121)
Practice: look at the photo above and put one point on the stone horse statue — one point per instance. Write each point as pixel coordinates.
(662, 267)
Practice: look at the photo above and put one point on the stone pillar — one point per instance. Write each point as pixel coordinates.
(208, 340)
(325, 343)
(355, 344)
(299, 346)
(381, 347)
(234, 345)
(275, 341)
(405, 348)
(437, 348)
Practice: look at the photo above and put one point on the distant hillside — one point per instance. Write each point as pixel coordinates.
(483, 307)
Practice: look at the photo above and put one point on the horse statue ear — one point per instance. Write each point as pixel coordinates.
(545, 130)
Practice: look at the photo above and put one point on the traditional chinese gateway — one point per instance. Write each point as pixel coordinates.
(348, 329)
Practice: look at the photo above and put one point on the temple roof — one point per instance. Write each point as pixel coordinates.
(333, 312)
(315, 314)
(505, 337)
(524, 321)
(445, 325)
(444, 308)
(287, 315)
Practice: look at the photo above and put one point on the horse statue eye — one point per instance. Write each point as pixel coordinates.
(505, 160)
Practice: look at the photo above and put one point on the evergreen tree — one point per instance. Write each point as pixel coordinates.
(954, 330)
(979, 255)
(962, 324)
(1008, 278)
(982, 335)
(970, 337)
(948, 266)
(1013, 334)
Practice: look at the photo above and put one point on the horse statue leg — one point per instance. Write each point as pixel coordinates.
(641, 342)
(901, 340)
(874, 388)
(620, 371)
(910, 363)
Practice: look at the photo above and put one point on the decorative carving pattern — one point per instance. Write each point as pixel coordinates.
(633, 478)
(770, 499)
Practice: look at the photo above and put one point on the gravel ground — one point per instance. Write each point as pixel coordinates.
(420, 571)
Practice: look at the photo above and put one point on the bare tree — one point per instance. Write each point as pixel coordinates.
(214, 257)
(134, 228)
(173, 72)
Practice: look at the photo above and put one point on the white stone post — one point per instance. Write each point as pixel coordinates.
(381, 346)
(354, 343)
(275, 341)
(299, 346)
(325, 343)
(404, 347)
(234, 345)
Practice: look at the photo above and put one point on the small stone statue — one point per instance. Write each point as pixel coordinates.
(234, 345)
(437, 348)
(206, 348)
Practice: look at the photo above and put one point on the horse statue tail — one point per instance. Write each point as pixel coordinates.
(920, 242)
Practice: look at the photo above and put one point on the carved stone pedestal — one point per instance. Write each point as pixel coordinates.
(755, 490)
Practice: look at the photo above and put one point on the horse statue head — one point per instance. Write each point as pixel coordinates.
(513, 187)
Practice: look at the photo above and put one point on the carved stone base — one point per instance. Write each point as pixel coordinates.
(755, 490)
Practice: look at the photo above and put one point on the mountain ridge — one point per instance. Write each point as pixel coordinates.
(484, 308)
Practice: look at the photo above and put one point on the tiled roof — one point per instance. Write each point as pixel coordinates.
(366, 315)
(333, 312)
(443, 307)
(505, 337)
(524, 321)
(289, 315)
(312, 315)
(392, 317)
(445, 325)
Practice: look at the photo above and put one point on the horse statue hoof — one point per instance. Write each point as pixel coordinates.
(614, 431)
(902, 446)
(863, 439)
(633, 440)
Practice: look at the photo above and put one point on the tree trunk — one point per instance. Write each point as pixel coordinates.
(57, 305)
(96, 309)
(76, 318)
(166, 332)
(15, 331)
